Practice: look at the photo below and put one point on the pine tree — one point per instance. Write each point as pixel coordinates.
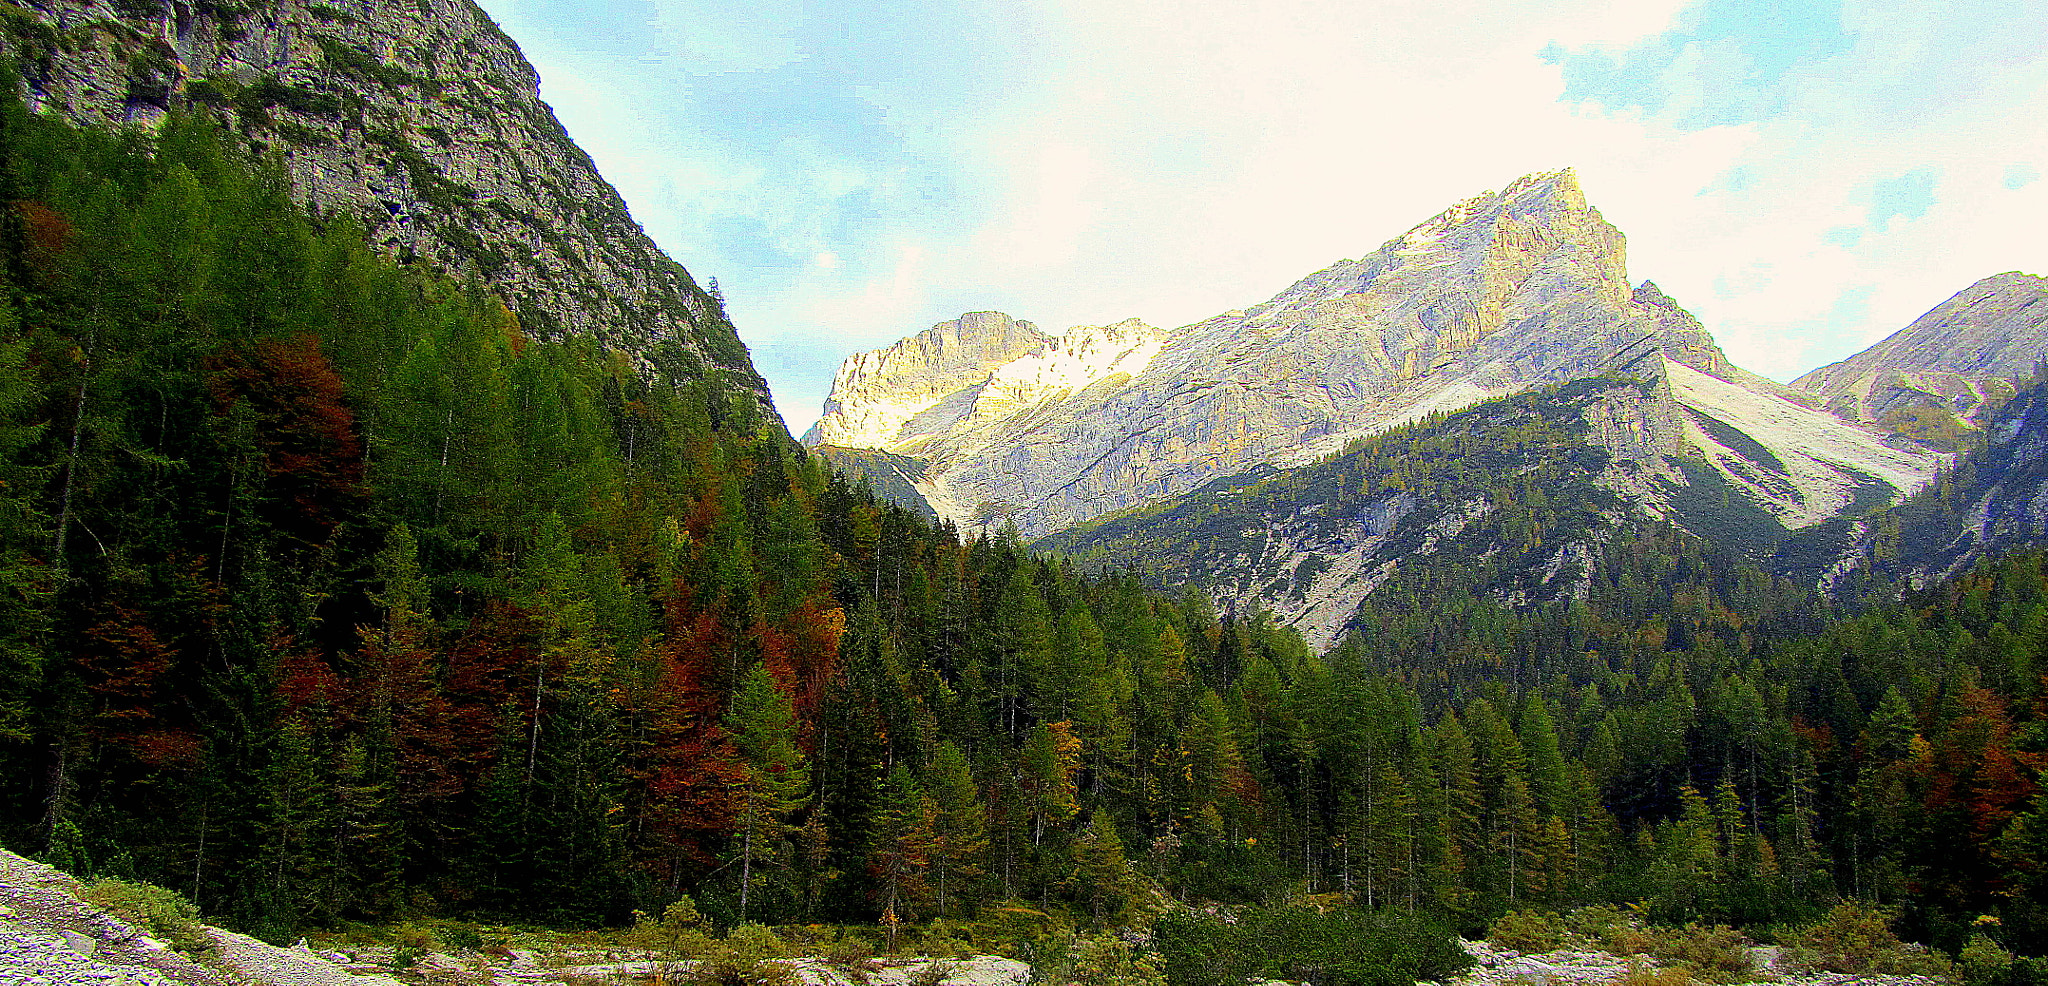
(1045, 772)
(960, 831)
(900, 856)
(772, 779)
(1100, 875)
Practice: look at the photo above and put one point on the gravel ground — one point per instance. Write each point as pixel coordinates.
(29, 958)
(48, 937)
(1569, 967)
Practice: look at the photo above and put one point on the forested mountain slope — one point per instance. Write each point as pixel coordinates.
(1993, 500)
(1520, 493)
(420, 121)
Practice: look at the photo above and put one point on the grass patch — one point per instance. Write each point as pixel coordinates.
(162, 913)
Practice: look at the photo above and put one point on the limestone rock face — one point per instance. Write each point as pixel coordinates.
(1499, 293)
(420, 119)
(878, 397)
(1963, 356)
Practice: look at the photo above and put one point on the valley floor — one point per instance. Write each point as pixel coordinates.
(50, 937)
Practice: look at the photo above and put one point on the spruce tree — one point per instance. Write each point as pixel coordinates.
(773, 775)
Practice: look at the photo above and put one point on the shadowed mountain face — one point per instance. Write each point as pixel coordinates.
(420, 120)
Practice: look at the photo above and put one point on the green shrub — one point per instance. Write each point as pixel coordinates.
(1597, 924)
(460, 937)
(851, 951)
(1857, 938)
(747, 957)
(1016, 930)
(1529, 931)
(1201, 950)
(1714, 952)
(1984, 962)
(1335, 948)
(930, 974)
(1642, 973)
(1105, 960)
(942, 939)
(677, 935)
(165, 914)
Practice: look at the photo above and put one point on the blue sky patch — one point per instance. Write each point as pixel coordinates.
(1726, 62)
(1908, 196)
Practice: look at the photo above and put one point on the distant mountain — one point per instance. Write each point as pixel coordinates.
(1948, 369)
(1498, 294)
(421, 120)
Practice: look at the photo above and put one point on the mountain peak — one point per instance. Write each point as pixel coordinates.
(1501, 292)
(1562, 182)
(1985, 336)
(875, 394)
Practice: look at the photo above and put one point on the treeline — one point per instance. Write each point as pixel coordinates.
(1754, 751)
(326, 592)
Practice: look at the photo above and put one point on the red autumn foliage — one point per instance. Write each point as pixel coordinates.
(483, 667)
(304, 680)
(305, 433)
(46, 235)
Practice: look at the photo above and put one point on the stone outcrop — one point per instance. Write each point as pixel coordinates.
(1962, 357)
(421, 120)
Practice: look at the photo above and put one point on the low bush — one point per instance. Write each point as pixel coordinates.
(942, 939)
(1858, 939)
(1336, 948)
(1984, 962)
(1103, 960)
(1599, 924)
(749, 956)
(1530, 931)
(850, 951)
(164, 914)
(1013, 929)
(1714, 952)
(1642, 973)
(677, 935)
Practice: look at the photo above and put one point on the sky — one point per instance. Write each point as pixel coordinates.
(1806, 176)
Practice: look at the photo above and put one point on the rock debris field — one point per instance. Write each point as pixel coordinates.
(48, 937)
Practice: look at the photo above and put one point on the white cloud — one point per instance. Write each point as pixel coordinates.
(1171, 159)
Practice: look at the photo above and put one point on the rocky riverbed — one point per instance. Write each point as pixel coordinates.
(48, 937)
(1577, 967)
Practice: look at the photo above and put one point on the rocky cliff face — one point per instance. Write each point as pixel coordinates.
(420, 119)
(1495, 295)
(879, 397)
(1960, 359)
